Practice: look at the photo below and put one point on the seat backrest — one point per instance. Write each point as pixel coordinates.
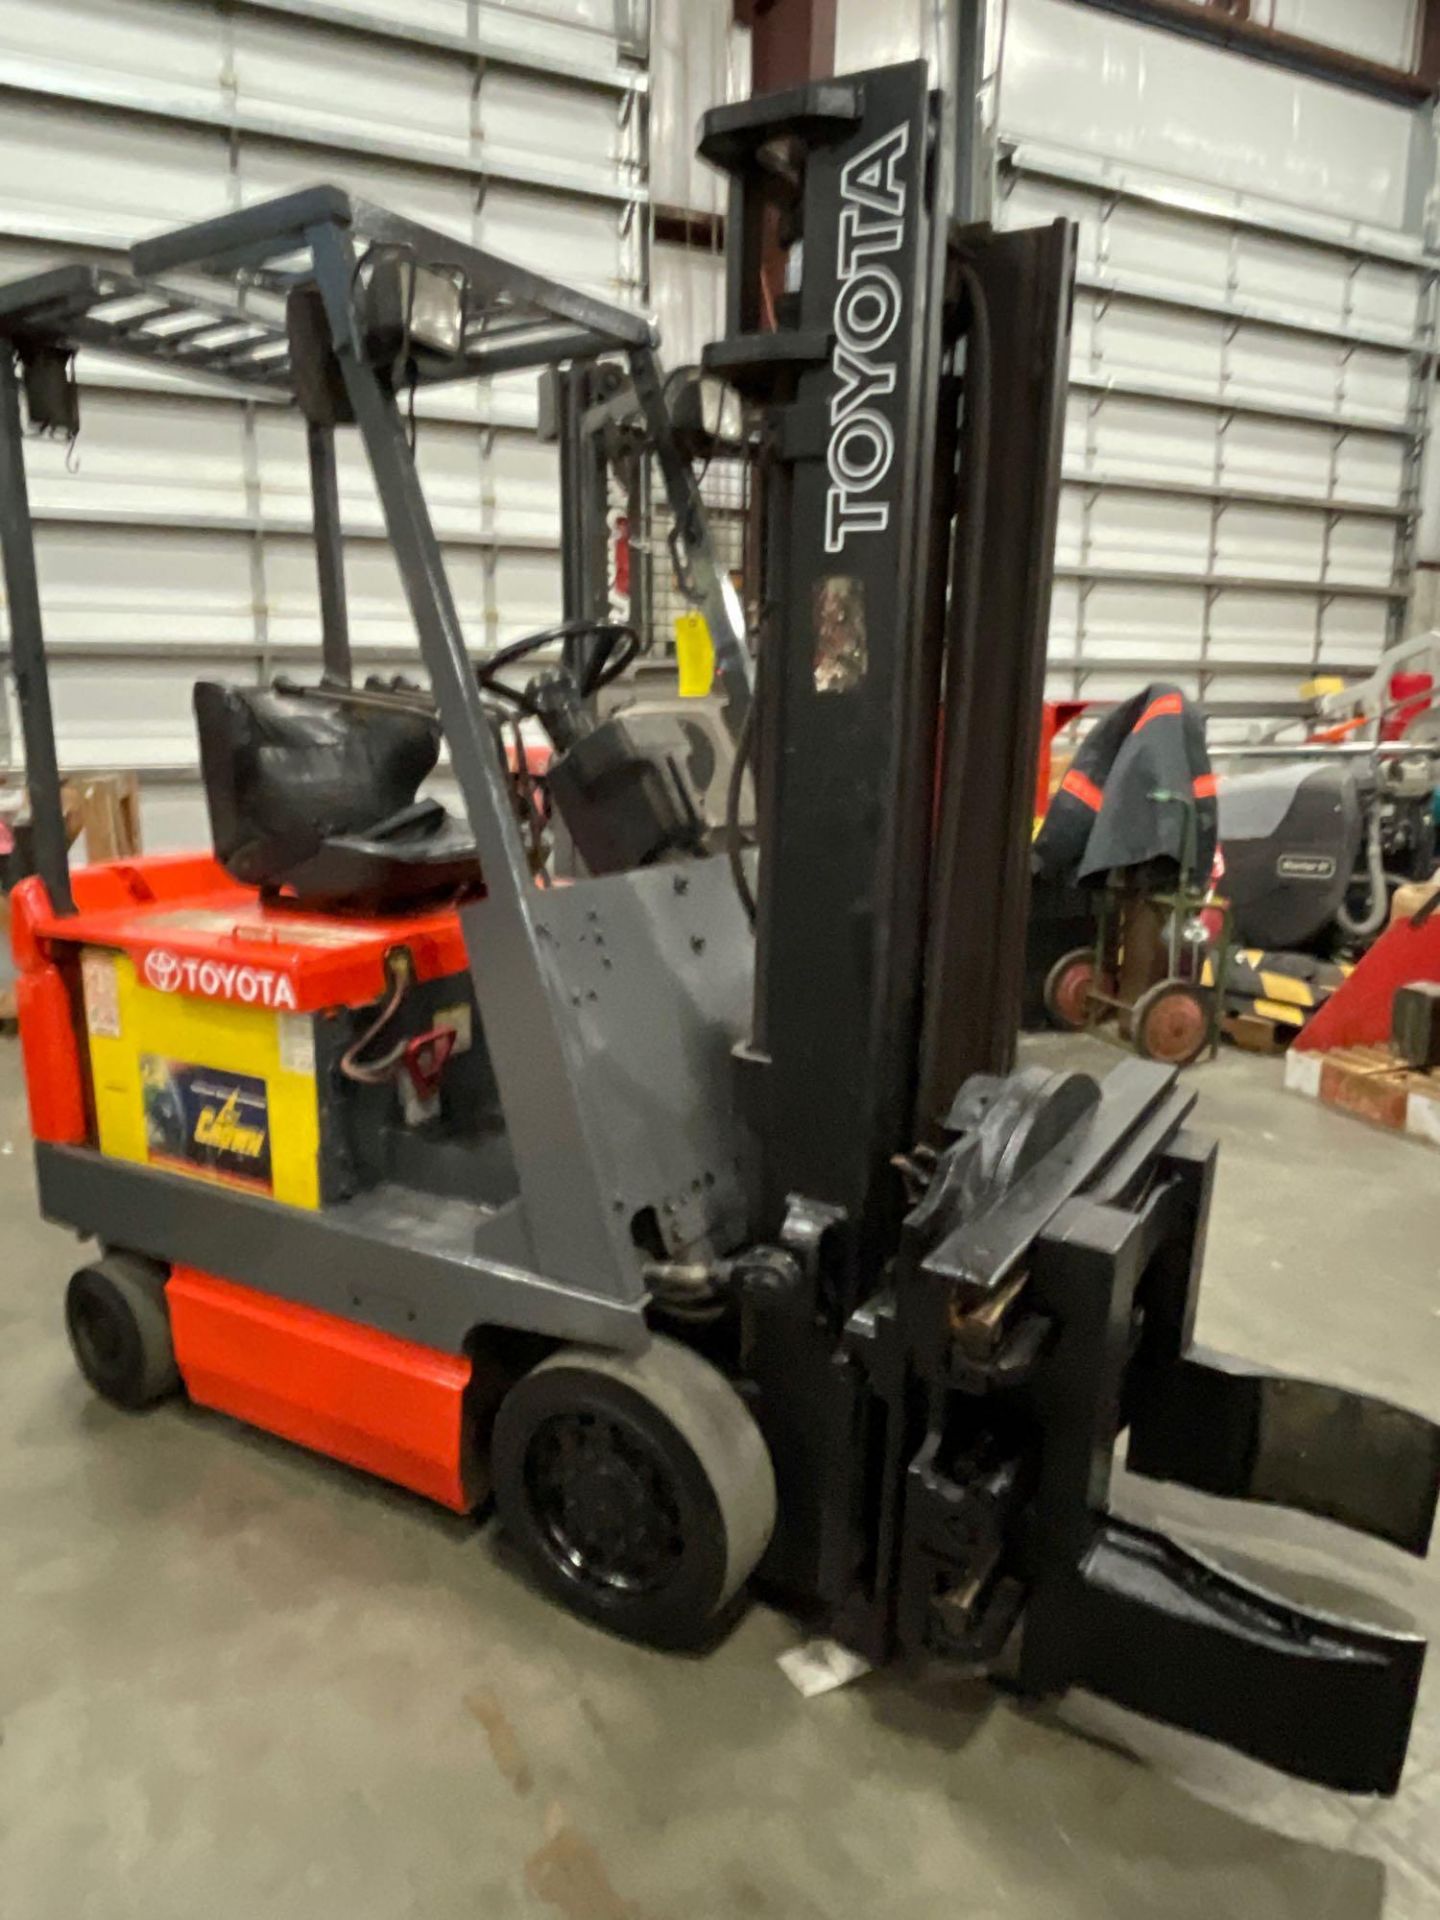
(283, 773)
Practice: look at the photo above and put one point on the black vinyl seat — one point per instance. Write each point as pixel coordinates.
(312, 799)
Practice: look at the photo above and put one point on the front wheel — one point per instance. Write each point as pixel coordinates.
(637, 1487)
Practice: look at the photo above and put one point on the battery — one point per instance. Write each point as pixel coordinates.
(214, 1021)
(220, 1091)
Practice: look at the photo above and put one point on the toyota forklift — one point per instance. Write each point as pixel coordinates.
(685, 1203)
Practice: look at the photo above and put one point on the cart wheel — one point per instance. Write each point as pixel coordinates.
(638, 1488)
(1170, 1022)
(119, 1330)
(1068, 987)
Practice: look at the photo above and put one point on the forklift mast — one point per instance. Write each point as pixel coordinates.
(979, 1279)
(906, 597)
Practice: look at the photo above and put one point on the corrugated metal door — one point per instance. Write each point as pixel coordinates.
(171, 540)
(1253, 332)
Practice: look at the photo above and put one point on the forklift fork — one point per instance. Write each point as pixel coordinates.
(1162, 1630)
(1243, 1432)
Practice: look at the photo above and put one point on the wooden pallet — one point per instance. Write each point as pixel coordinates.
(1257, 1034)
(1371, 1083)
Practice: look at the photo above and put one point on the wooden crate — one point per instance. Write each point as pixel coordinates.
(104, 807)
(1372, 1083)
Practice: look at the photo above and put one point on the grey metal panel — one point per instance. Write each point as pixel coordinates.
(557, 1136)
(1242, 329)
(428, 1268)
(1252, 804)
(1150, 663)
(655, 968)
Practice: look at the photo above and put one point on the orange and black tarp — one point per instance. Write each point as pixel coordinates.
(1105, 815)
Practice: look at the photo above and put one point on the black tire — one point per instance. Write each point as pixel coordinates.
(119, 1328)
(637, 1488)
(1170, 1022)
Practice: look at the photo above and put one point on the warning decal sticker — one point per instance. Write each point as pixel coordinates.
(207, 1121)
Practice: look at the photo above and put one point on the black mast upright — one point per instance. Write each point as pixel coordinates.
(849, 675)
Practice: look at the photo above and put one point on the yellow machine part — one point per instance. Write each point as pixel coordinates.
(1283, 1013)
(1291, 992)
(136, 1031)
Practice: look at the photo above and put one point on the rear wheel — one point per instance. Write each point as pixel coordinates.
(1069, 986)
(637, 1487)
(119, 1328)
(1171, 1023)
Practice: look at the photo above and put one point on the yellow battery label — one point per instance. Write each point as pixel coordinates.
(207, 1121)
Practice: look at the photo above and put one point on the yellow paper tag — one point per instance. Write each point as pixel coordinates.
(694, 655)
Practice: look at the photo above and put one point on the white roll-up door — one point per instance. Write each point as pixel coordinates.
(172, 541)
(1254, 326)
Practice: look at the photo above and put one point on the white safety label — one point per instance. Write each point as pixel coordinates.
(297, 1042)
(101, 980)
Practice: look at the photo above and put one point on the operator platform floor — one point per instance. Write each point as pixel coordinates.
(238, 1681)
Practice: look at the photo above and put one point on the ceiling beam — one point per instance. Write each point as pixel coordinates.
(791, 41)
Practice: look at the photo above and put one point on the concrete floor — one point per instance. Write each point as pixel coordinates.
(237, 1681)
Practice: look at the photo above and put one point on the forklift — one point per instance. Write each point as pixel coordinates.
(688, 1205)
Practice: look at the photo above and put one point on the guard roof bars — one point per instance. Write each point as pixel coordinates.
(237, 337)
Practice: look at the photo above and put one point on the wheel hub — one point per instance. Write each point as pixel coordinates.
(604, 1502)
(1175, 1028)
(1072, 992)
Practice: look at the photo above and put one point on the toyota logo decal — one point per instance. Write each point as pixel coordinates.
(162, 970)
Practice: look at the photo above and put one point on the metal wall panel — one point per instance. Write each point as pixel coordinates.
(1383, 30)
(171, 543)
(1252, 348)
(697, 60)
(1099, 84)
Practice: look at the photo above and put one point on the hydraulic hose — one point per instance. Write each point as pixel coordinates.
(734, 792)
(1374, 916)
